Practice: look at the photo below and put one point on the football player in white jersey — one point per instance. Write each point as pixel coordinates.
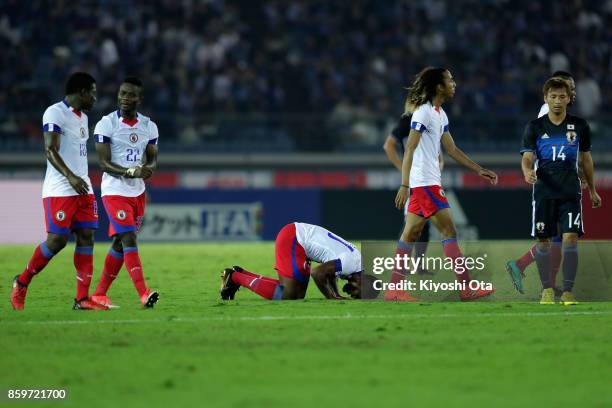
(126, 143)
(421, 174)
(68, 200)
(296, 245)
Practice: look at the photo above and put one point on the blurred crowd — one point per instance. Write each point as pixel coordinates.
(340, 60)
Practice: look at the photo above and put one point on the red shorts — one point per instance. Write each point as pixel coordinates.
(124, 213)
(426, 201)
(64, 214)
(291, 261)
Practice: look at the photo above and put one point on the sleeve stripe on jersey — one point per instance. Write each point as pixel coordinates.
(51, 127)
(338, 267)
(527, 150)
(153, 141)
(445, 128)
(102, 139)
(419, 127)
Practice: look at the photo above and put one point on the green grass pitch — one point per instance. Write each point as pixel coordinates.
(195, 350)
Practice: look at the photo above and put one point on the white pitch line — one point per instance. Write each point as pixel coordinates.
(308, 317)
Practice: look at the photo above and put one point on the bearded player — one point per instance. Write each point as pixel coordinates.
(296, 245)
(126, 143)
(68, 200)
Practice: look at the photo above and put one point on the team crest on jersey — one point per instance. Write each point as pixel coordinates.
(571, 137)
(83, 134)
(133, 137)
(540, 226)
(570, 126)
(442, 193)
(60, 215)
(121, 215)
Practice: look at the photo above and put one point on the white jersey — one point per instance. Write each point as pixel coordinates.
(128, 142)
(543, 110)
(322, 246)
(73, 127)
(431, 122)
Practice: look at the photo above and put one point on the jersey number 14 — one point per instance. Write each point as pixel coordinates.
(560, 155)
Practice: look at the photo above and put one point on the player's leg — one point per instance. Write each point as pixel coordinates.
(570, 222)
(443, 222)
(420, 247)
(58, 212)
(233, 278)
(83, 261)
(544, 228)
(125, 215)
(112, 265)
(556, 248)
(41, 257)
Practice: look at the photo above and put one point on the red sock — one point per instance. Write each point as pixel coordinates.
(254, 275)
(134, 267)
(265, 287)
(41, 257)
(451, 250)
(83, 263)
(403, 249)
(555, 261)
(527, 259)
(112, 266)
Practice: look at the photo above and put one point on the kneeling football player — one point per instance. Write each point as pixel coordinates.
(296, 245)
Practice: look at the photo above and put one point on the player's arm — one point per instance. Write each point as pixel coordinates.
(586, 163)
(528, 150)
(414, 137)
(460, 157)
(390, 148)
(106, 164)
(527, 166)
(150, 164)
(52, 146)
(324, 276)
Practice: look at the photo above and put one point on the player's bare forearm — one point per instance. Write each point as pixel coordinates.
(586, 164)
(322, 276)
(391, 151)
(527, 167)
(104, 159)
(407, 165)
(151, 157)
(460, 157)
(52, 145)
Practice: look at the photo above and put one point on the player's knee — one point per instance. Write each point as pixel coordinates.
(84, 238)
(128, 239)
(56, 242)
(117, 245)
(448, 232)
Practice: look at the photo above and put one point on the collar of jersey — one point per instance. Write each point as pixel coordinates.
(76, 111)
(127, 121)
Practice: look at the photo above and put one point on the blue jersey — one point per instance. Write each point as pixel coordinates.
(556, 148)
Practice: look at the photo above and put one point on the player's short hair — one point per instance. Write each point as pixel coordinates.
(424, 87)
(562, 74)
(79, 81)
(134, 81)
(556, 83)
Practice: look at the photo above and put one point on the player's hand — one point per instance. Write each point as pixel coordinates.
(531, 177)
(488, 175)
(79, 185)
(595, 199)
(146, 172)
(401, 197)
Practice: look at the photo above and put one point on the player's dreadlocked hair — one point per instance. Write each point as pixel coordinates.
(423, 88)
